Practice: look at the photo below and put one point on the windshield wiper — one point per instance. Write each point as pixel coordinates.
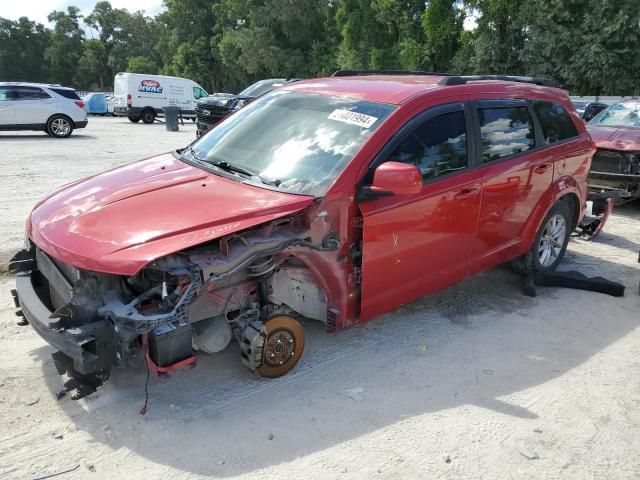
(231, 167)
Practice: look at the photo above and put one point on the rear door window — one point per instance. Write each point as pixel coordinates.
(29, 93)
(505, 131)
(555, 122)
(437, 147)
(5, 94)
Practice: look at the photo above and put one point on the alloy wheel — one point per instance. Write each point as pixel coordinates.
(60, 127)
(552, 240)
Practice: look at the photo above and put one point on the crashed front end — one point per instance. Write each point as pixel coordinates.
(200, 298)
(616, 170)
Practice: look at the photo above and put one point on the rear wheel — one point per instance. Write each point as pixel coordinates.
(59, 126)
(283, 346)
(134, 119)
(148, 116)
(550, 243)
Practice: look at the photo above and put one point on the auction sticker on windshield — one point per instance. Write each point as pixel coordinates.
(354, 118)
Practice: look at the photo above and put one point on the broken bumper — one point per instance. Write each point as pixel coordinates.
(89, 346)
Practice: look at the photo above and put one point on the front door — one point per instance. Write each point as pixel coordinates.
(7, 110)
(417, 244)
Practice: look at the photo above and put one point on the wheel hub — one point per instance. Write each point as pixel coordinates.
(279, 348)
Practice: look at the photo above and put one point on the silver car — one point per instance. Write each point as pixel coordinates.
(53, 109)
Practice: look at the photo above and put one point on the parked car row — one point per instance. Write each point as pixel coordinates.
(214, 108)
(332, 200)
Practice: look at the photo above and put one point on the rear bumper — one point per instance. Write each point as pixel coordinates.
(81, 123)
(127, 111)
(90, 346)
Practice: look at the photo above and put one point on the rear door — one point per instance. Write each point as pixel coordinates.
(7, 110)
(516, 171)
(417, 244)
(569, 149)
(33, 105)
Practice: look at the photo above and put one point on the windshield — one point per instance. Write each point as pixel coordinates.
(620, 114)
(262, 87)
(296, 142)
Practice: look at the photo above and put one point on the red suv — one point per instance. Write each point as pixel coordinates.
(331, 200)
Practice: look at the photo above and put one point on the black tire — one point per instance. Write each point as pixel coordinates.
(134, 119)
(59, 126)
(148, 116)
(535, 260)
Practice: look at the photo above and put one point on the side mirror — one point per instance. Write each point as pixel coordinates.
(395, 178)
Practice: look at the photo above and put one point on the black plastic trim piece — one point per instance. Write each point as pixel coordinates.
(463, 79)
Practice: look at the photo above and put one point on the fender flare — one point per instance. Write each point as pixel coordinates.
(562, 189)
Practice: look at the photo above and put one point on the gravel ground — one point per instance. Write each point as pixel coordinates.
(477, 381)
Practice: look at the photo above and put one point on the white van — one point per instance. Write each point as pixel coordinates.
(142, 97)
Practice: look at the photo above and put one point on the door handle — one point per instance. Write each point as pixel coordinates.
(465, 193)
(542, 168)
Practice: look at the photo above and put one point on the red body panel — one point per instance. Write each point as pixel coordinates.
(120, 220)
(417, 244)
(626, 139)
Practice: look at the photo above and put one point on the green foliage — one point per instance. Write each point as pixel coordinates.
(22, 47)
(588, 46)
(142, 64)
(65, 46)
(442, 23)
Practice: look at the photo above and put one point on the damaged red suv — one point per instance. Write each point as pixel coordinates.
(331, 200)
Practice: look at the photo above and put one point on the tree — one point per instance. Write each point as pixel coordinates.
(91, 66)
(442, 23)
(142, 65)
(589, 46)
(497, 44)
(65, 47)
(22, 46)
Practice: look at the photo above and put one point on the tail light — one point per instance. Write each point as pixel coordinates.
(80, 103)
(128, 99)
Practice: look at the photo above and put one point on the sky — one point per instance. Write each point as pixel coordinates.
(39, 9)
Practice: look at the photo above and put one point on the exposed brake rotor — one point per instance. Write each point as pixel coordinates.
(283, 346)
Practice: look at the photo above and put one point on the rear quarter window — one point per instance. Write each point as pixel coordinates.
(555, 122)
(70, 94)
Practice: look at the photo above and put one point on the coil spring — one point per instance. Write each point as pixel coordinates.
(261, 268)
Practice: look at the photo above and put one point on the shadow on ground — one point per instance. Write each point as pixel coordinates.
(474, 343)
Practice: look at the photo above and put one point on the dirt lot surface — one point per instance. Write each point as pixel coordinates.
(478, 381)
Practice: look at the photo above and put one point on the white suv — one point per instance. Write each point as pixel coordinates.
(33, 106)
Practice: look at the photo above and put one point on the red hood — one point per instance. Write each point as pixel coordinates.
(615, 138)
(120, 220)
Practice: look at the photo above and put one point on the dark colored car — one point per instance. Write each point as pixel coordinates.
(212, 109)
(332, 200)
(616, 164)
(588, 110)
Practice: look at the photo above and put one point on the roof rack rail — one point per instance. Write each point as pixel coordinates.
(357, 73)
(462, 79)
